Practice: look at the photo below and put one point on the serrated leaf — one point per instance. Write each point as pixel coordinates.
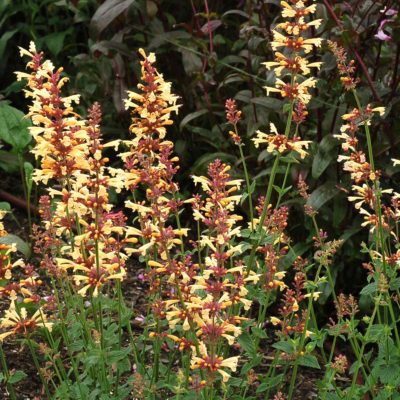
(283, 346)
(370, 289)
(308, 360)
(22, 246)
(247, 343)
(388, 373)
(258, 332)
(17, 376)
(270, 383)
(375, 333)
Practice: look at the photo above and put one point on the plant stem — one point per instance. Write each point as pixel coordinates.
(361, 353)
(37, 365)
(4, 366)
(246, 175)
(268, 195)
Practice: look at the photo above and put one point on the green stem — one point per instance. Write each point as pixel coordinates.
(246, 175)
(27, 194)
(361, 353)
(37, 365)
(268, 195)
(4, 366)
(303, 335)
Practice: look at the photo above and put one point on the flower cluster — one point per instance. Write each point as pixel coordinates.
(356, 162)
(19, 288)
(70, 152)
(281, 143)
(191, 299)
(291, 49)
(220, 287)
(294, 47)
(59, 135)
(150, 165)
(346, 68)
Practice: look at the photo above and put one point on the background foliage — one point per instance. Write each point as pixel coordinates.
(213, 50)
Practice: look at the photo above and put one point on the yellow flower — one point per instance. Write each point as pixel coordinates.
(215, 363)
(281, 143)
(296, 10)
(20, 323)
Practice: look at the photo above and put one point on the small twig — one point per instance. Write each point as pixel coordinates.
(17, 201)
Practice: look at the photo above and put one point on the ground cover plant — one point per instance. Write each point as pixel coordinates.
(237, 300)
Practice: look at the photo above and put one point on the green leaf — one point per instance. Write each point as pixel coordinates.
(247, 343)
(388, 373)
(8, 161)
(14, 128)
(268, 102)
(168, 37)
(22, 246)
(252, 187)
(258, 332)
(4, 40)
(322, 194)
(395, 284)
(5, 206)
(17, 376)
(370, 289)
(118, 355)
(107, 12)
(191, 62)
(270, 383)
(283, 346)
(253, 362)
(236, 12)
(308, 360)
(202, 162)
(375, 333)
(324, 156)
(28, 169)
(282, 191)
(55, 41)
(191, 117)
(332, 396)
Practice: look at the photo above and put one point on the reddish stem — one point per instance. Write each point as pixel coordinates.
(16, 201)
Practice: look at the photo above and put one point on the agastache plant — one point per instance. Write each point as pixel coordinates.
(230, 305)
